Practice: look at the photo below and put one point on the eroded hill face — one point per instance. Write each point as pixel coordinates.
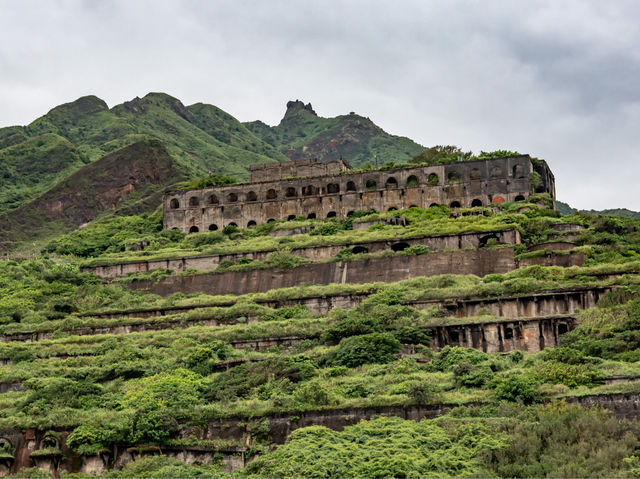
(129, 180)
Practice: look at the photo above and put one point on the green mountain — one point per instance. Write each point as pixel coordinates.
(565, 209)
(303, 134)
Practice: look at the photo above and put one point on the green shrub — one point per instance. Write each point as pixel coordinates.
(326, 229)
(417, 249)
(572, 375)
(517, 388)
(366, 349)
(451, 356)
(472, 375)
(284, 259)
(423, 392)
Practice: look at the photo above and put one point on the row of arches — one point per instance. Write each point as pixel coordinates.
(333, 214)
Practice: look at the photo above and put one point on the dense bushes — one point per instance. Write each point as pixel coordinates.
(365, 349)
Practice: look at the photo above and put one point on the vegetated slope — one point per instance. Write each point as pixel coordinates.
(303, 134)
(201, 138)
(566, 209)
(226, 381)
(129, 180)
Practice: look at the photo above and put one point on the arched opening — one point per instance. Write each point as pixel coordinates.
(476, 203)
(562, 328)
(412, 181)
(194, 229)
(290, 192)
(270, 220)
(497, 199)
(359, 250)
(455, 204)
(232, 224)
(401, 246)
(291, 217)
(213, 227)
(433, 205)
(391, 182)
(519, 198)
(194, 201)
(518, 171)
(333, 188)
(350, 214)
(475, 174)
(232, 197)
(311, 216)
(251, 196)
(331, 214)
(453, 177)
(433, 179)
(496, 172)
(174, 204)
(508, 333)
(309, 190)
(392, 208)
(272, 194)
(251, 224)
(488, 240)
(371, 185)
(454, 337)
(414, 206)
(213, 200)
(351, 186)
(49, 442)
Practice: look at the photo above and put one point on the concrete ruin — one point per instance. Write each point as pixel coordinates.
(313, 189)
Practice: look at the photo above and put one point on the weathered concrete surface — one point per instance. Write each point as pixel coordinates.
(390, 269)
(551, 259)
(325, 193)
(313, 253)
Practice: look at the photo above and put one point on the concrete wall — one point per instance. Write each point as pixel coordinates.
(390, 269)
(313, 253)
(466, 184)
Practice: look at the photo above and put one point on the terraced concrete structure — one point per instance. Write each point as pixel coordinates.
(312, 189)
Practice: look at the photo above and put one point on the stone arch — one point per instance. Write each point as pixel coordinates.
(412, 181)
(49, 441)
(291, 217)
(351, 186)
(476, 202)
(350, 213)
(453, 177)
(497, 199)
(194, 229)
(519, 171)
(496, 172)
(475, 174)
(484, 240)
(400, 246)
(331, 214)
(272, 194)
(371, 185)
(251, 196)
(270, 220)
(232, 197)
(433, 179)
(359, 250)
(233, 224)
(413, 206)
(251, 224)
(392, 208)
(311, 216)
(213, 227)
(432, 205)
(213, 200)
(291, 192)
(333, 188)
(310, 190)
(520, 198)
(391, 182)
(194, 201)
(174, 204)
(455, 204)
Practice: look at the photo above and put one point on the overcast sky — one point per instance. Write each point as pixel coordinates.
(557, 79)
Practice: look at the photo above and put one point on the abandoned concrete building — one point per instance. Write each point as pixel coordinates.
(314, 189)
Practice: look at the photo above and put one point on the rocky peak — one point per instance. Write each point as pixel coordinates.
(296, 107)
